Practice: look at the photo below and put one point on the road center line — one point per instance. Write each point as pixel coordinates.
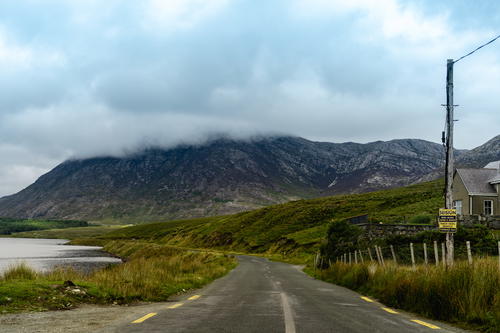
(434, 327)
(175, 306)
(195, 297)
(287, 311)
(140, 320)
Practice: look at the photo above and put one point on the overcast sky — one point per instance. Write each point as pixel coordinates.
(84, 78)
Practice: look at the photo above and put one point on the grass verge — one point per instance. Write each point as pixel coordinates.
(151, 272)
(465, 295)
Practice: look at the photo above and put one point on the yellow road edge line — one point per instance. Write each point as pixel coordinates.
(389, 310)
(434, 327)
(364, 298)
(140, 320)
(175, 306)
(192, 298)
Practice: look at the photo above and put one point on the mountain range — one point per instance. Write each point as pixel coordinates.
(226, 176)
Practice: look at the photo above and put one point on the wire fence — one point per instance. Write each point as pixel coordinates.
(433, 253)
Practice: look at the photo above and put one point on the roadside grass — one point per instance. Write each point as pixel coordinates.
(151, 272)
(467, 295)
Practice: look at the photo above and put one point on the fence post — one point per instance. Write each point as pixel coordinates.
(394, 255)
(425, 254)
(412, 255)
(443, 255)
(370, 254)
(350, 259)
(469, 254)
(436, 253)
(355, 256)
(361, 256)
(381, 255)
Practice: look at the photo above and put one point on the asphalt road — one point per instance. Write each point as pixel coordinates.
(263, 296)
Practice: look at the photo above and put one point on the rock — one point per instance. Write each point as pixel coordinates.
(68, 283)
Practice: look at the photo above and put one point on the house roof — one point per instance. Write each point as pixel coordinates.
(493, 165)
(496, 178)
(477, 181)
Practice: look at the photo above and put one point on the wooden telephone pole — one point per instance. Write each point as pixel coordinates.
(449, 144)
(449, 156)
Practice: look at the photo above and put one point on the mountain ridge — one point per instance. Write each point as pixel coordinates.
(220, 177)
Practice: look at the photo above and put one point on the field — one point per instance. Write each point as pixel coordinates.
(9, 225)
(69, 233)
(151, 273)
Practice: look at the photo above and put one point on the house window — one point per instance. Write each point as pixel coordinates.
(457, 204)
(488, 207)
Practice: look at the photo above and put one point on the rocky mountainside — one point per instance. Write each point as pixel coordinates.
(480, 156)
(222, 176)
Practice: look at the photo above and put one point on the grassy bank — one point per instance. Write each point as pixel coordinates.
(465, 295)
(151, 272)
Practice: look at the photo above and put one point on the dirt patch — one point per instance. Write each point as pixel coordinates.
(86, 318)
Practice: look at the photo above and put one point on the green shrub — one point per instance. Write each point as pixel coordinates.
(420, 219)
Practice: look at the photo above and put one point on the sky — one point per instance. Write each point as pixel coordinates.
(83, 78)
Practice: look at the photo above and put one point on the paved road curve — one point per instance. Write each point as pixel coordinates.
(263, 296)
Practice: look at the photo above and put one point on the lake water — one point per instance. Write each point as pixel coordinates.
(44, 254)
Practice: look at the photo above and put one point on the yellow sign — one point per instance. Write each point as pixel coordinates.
(447, 220)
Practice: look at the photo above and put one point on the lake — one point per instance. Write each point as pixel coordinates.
(44, 254)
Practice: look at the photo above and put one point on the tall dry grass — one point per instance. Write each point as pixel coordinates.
(151, 272)
(21, 271)
(464, 293)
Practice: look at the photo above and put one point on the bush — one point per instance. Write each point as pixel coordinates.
(420, 219)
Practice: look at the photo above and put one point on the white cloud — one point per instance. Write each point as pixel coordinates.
(382, 18)
(172, 15)
(15, 56)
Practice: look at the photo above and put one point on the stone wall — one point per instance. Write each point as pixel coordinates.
(492, 222)
(373, 230)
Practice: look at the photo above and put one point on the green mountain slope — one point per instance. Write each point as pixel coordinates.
(296, 226)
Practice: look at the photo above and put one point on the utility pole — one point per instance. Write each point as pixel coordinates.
(449, 155)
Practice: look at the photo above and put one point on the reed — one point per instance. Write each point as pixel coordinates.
(464, 294)
(151, 272)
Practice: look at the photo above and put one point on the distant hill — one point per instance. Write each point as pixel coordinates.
(474, 158)
(482, 155)
(220, 177)
(295, 227)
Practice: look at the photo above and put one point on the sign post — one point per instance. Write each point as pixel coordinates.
(447, 220)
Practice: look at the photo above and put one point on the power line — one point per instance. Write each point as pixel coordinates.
(468, 54)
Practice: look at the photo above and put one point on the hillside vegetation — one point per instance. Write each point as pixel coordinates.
(291, 228)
